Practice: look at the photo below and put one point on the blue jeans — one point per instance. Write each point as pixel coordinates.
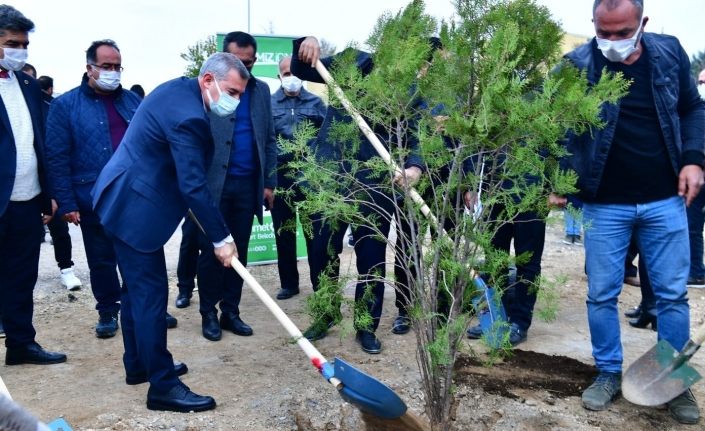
(661, 232)
(573, 222)
(696, 220)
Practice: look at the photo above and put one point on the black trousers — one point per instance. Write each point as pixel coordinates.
(370, 249)
(61, 238)
(284, 215)
(21, 233)
(528, 232)
(187, 268)
(217, 284)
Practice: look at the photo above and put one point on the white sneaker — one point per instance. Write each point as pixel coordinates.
(69, 279)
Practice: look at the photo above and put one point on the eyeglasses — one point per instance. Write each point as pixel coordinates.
(108, 67)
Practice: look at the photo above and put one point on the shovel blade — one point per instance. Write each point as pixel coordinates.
(657, 377)
(367, 393)
(59, 425)
(493, 318)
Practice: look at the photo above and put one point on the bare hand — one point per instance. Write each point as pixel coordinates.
(690, 181)
(225, 253)
(470, 200)
(310, 51)
(555, 201)
(73, 217)
(410, 175)
(269, 198)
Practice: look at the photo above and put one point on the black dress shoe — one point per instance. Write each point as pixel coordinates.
(210, 326)
(634, 312)
(179, 399)
(643, 321)
(32, 354)
(137, 379)
(171, 321)
(287, 293)
(369, 342)
(401, 324)
(183, 301)
(232, 322)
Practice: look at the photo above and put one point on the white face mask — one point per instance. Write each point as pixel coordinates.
(108, 80)
(14, 59)
(225, 105)
(291, 84)
(701, 90)
(619, 50)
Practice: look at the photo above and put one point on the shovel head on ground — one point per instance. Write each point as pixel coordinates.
(493, 318)
(660, 375)
(367, 393)
(59, 425)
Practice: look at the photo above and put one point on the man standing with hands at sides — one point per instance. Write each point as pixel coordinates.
(84, 128)
(636, 176)
(24, 195)
(156, 175)
(243, 173)
(291, 105)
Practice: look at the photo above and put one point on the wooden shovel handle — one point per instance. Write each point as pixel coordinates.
(4, 390)
(283, 319)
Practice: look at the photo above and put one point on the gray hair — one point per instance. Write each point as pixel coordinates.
(281, 60)
(611, 4)
(220, 63)
(12, 19)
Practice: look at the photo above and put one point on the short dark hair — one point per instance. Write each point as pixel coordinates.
(91, 52)
(12, 19)
(45, 82)
(611, 4)
(137, 89)
(241, 39)
(28, 68)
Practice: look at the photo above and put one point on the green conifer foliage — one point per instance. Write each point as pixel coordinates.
(489, 111)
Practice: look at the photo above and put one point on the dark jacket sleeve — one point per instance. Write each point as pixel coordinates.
(59, 142)
(307, 73)
(691, 110)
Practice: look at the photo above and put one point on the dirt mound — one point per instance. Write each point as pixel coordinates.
(559, 375)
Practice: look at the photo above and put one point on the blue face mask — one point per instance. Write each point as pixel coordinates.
(225, 105)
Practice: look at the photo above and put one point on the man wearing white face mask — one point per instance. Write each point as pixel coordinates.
(24, 195)
(141, 196)
(84, 128)
(636, 176)
(291, 106)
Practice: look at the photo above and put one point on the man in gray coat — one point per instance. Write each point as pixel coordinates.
(242, 175)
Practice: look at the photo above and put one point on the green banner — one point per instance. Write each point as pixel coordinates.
(270, 49)
(263, 247)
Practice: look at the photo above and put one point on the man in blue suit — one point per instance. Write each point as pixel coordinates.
(154, 177)
(23, 192)
(242, 175)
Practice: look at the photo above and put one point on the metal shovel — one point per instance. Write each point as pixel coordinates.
(366, 393)
(662, 373)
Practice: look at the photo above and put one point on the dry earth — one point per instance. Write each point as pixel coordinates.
(265, 383)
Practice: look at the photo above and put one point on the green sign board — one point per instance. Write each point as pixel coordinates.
(270, 49)
(263, 247)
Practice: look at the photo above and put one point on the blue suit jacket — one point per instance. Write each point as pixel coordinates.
(263, 127)
(8, 152)
(159, 171)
